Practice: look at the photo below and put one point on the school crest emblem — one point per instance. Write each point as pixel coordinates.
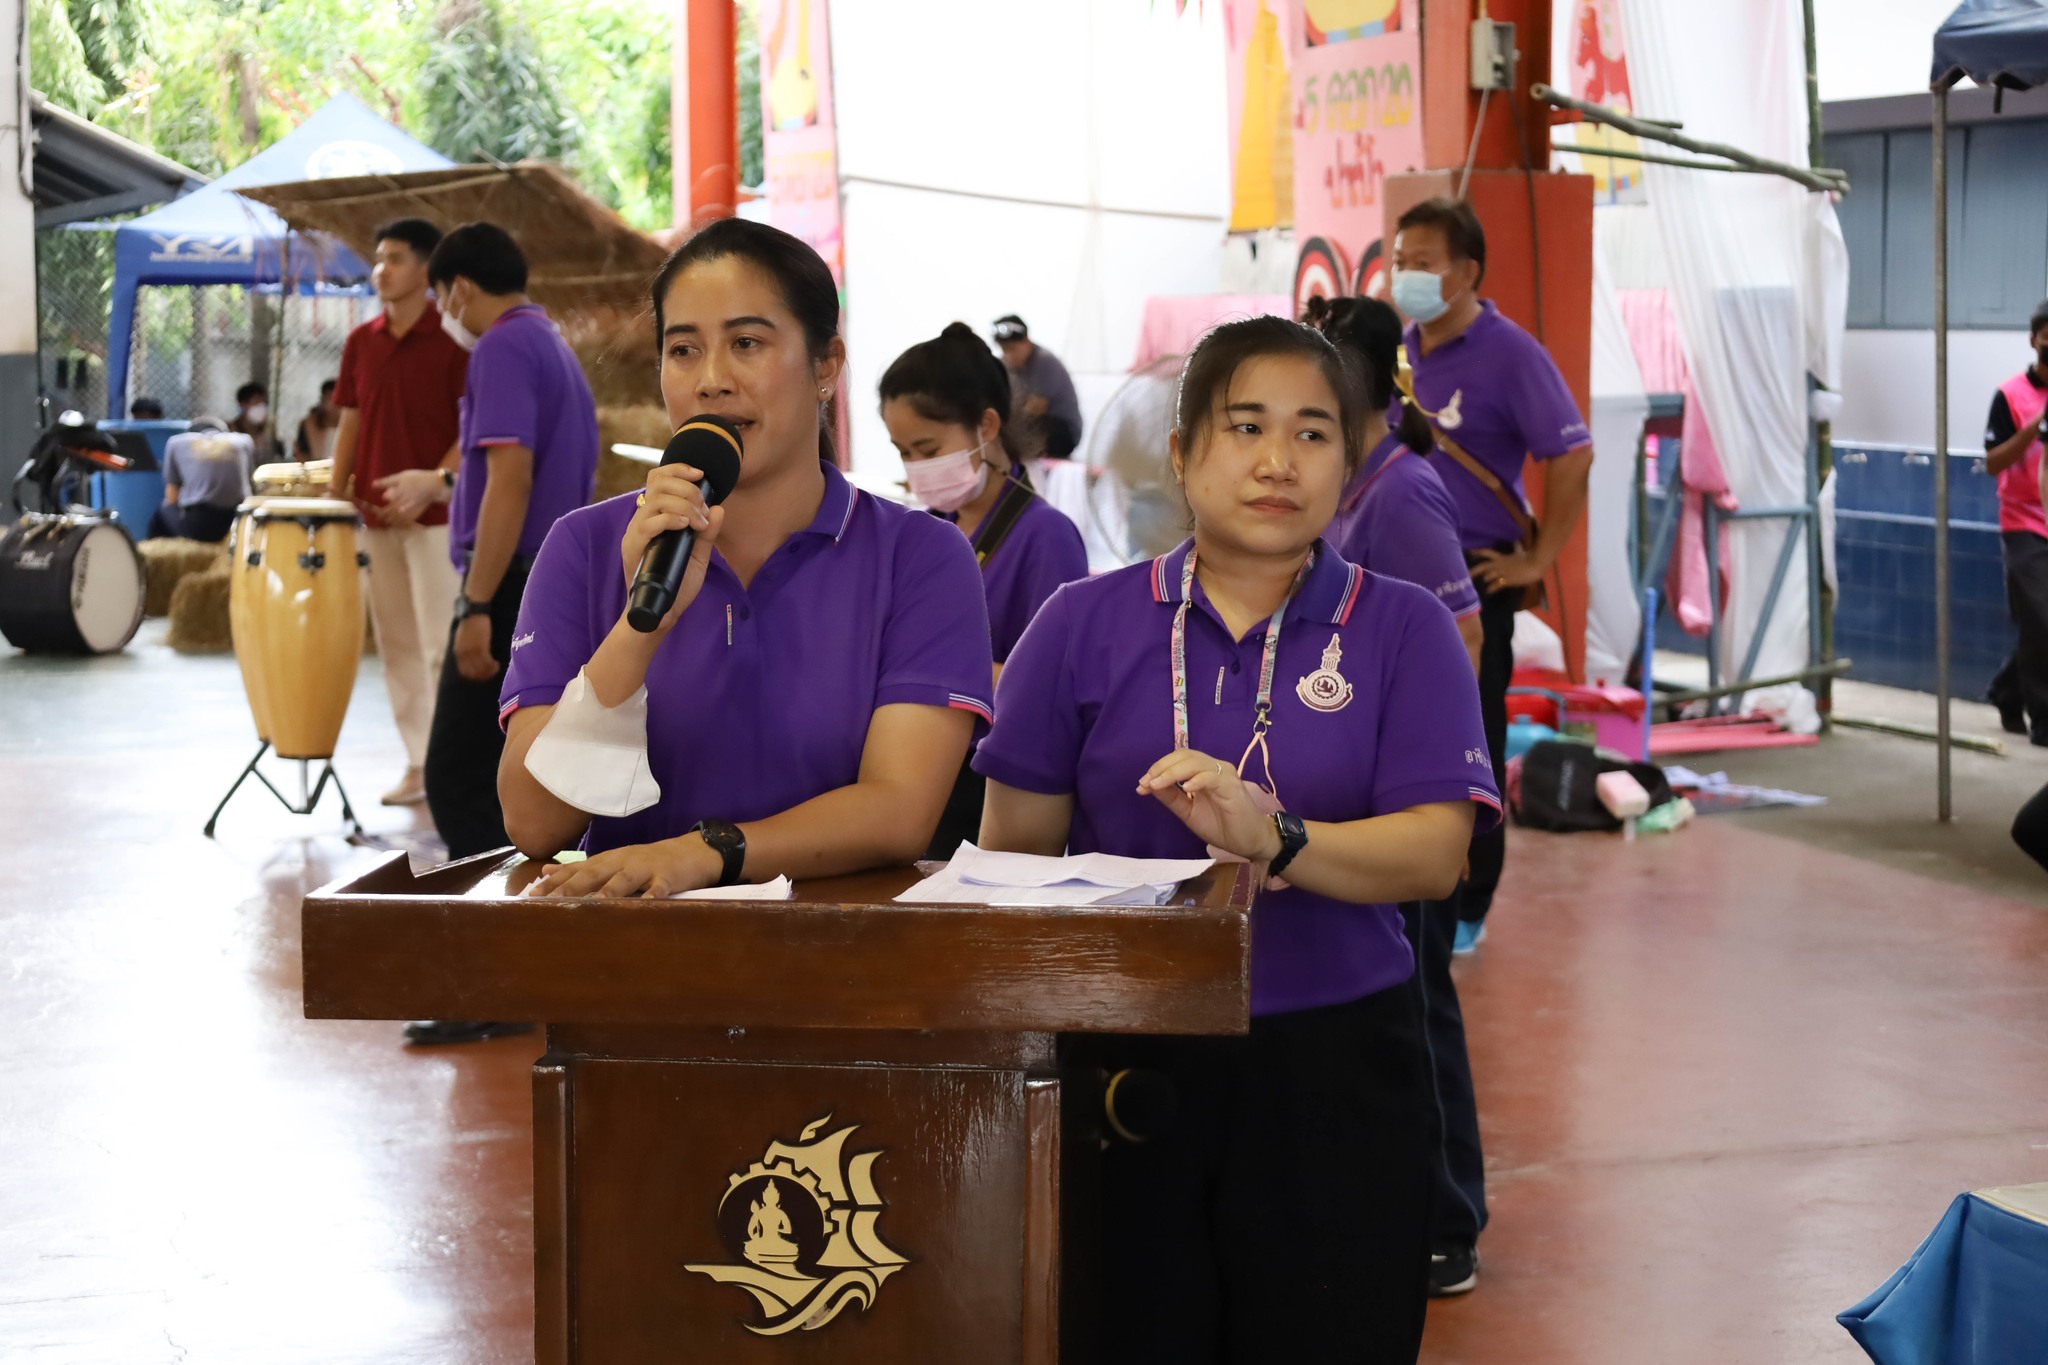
(801, 1226)
(1326, 688)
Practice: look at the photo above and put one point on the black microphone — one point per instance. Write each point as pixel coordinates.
(711, 444)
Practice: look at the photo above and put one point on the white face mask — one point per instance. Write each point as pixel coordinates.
(258, 413)
(1420, 294)
(947, 483)
(457, 333)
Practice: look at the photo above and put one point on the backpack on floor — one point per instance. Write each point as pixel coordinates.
(1557, 789)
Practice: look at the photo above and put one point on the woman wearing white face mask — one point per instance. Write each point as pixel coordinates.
(945, 402)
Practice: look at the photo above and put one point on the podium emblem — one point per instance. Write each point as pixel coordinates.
(801, 1226)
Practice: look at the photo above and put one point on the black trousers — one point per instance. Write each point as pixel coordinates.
(2022, 684)
(1496, 671)
(193, 521)
(465, 743)
(1460, 1171)
(1284, 1216)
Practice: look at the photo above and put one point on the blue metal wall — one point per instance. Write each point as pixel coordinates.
(1884, 559)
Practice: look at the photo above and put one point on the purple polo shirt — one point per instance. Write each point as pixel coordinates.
(1398, 521)
(1497, 393)
(1042, 551)
(1085, 707)
(525, 389)
(759, 698)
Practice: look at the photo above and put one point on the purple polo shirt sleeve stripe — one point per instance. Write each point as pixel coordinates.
(935, 645)
(1037, 746)
(506, 410)
(560, 625)
(1545, 411)
(1432, 741)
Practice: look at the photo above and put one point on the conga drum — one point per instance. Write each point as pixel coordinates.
(305, 620)
(293, 479)
(244, 565)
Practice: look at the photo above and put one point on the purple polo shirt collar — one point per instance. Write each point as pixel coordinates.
(1327, 595)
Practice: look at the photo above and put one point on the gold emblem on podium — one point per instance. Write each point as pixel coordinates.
(801, 1225)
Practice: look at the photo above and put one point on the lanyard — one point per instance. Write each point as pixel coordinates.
(1262, 718)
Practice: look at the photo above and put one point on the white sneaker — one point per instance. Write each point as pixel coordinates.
(410, 791)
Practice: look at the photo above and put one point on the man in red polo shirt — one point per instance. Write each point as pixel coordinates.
(399, 393)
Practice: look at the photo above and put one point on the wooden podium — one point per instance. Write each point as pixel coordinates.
(830, 1129)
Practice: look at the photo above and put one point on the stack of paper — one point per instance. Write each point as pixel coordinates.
(781, 889)
(975, 877)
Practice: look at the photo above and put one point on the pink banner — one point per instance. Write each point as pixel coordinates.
(800, 146)
(1357, 79)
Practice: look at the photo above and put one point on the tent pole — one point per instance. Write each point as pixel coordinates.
(1944, 803)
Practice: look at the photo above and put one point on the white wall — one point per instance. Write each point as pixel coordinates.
(1888, 384)
(1106, 114)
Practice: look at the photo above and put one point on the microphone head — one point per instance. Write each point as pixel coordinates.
(712, 444)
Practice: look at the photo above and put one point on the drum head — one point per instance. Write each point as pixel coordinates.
(302, 509)
(106, 589)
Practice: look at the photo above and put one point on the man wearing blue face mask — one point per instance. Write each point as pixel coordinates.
(1494, 397)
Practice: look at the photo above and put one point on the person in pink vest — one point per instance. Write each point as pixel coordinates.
(2012, 455)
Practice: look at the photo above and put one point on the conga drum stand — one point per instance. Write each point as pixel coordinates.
(307, 798)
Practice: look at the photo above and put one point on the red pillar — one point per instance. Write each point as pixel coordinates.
(704, 112)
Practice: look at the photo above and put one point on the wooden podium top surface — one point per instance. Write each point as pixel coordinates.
(457, 942)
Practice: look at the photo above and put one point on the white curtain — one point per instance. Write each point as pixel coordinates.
(1757, 274)
(1613, 616)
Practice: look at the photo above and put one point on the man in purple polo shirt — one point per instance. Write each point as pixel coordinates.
(1495, 398)
(529, 455)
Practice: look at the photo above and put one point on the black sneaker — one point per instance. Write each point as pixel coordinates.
(434, 1032)
(1453, 1271)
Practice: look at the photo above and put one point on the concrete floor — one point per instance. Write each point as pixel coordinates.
(1728, 1078)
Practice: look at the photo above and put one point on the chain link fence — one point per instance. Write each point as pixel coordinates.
(192, 346)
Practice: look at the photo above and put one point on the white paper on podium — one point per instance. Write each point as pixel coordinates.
(978, 877)
(781, 889)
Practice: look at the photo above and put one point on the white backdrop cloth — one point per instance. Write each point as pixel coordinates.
(1758, 274)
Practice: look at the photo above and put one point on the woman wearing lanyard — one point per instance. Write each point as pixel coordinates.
(946, 402)
(1253, 692)
(1398, 519)
(803, 707)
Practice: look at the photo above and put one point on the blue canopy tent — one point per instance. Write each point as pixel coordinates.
(2002, 44)
(214, 236)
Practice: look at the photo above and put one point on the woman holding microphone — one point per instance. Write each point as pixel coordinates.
(802, 708)
(946, 403)
(1254, 693)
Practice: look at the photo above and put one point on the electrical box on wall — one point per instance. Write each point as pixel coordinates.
(1493, 55)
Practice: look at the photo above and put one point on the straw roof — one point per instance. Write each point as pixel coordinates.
(581, 255)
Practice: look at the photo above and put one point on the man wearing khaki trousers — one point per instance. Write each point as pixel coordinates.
(399, 393)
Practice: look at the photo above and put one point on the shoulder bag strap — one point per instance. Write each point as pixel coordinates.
(1001, 521)
(1488, 480)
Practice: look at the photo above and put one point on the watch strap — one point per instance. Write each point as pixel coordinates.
(730, 843)
(1293, 839)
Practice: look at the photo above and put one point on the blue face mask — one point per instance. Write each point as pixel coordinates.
(1419, 294)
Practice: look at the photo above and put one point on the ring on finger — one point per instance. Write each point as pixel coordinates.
(640, 501)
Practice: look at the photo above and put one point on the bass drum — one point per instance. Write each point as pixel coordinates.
(69, 585)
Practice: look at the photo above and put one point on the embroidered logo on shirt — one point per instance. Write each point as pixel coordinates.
(1325, 689)
(521, 641)
(1448, 417)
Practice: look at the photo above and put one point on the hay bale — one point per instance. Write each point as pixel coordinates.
(641, 424)
(199, 614)
(166, 561)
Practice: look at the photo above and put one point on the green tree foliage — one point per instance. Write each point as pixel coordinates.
(209, 82)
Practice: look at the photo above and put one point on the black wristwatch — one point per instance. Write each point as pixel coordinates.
(447, 478)
(467, 606)
(1293, 839)
(724, 838)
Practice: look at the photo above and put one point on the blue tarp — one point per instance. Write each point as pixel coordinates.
(1971, 1295)
(1993, 42)
(214, 236)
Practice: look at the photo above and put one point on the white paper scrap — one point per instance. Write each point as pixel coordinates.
(781, 889)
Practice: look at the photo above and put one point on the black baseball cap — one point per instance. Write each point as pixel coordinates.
(1010, 327)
